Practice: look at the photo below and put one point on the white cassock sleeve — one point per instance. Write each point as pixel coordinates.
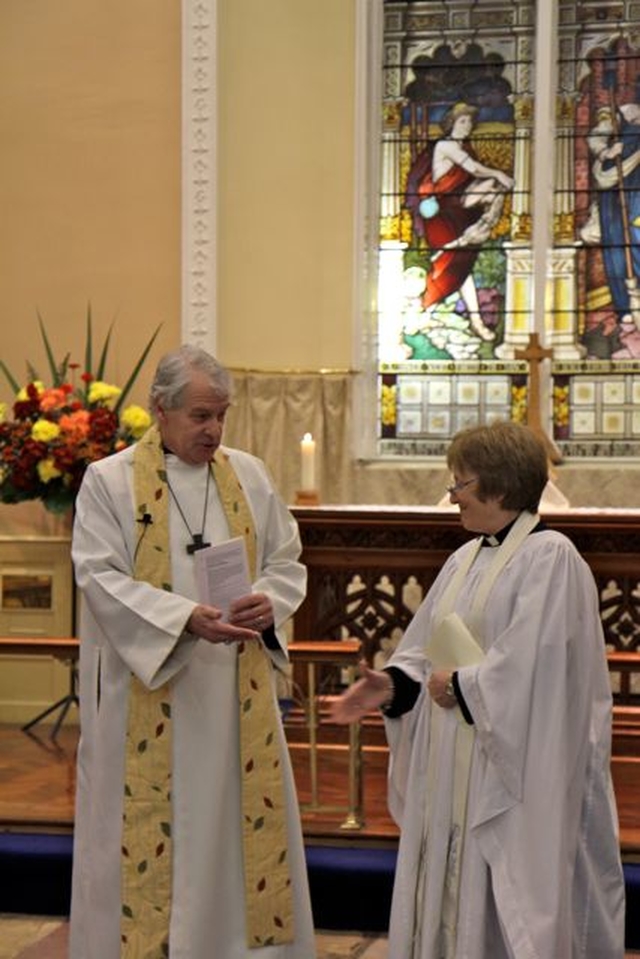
(141, 623)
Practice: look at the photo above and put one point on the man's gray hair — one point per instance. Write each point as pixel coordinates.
(174, 372)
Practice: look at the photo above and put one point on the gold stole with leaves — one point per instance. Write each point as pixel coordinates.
(146, 845)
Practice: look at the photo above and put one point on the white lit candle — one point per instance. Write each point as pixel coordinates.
(308, 459)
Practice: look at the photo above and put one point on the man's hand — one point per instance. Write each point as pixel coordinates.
(205, 622)
(252, 612)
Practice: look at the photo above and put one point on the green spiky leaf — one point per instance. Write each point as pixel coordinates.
(102, 363)
(127, 387)
(53, 367)
(13, 383)
(88, 350)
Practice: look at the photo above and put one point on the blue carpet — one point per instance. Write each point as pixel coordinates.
(632, 923)
(350, 886)
(36, 871)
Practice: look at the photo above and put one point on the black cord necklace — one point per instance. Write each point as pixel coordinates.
(197, 539)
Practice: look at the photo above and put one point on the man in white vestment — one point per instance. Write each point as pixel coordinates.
(188, 841)
(497, 707)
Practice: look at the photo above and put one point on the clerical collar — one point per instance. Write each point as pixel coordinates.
(495, 539)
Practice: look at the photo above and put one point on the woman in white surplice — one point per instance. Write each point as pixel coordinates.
(171, 858)
(497, 707)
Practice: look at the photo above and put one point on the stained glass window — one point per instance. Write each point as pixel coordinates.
(456, 259)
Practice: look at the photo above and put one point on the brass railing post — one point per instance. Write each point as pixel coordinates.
(312, 722)
(344, 654)
(354, 818)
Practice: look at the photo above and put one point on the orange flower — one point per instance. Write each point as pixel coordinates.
(75, 426)
(53, 398)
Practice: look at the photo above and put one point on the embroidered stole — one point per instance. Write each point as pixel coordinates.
(146, 846)
(268, 890)
(465, 734)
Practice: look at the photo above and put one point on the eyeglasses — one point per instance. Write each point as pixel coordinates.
(460, 485)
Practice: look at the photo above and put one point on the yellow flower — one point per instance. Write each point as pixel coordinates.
(47, 470)
(3, 412)
(135, 420)
(44, 431)
(100, 392)
(22, 394)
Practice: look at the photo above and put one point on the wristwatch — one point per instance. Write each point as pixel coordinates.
(449, 688)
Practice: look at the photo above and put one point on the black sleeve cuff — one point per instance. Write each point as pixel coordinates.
(405, 693)
(270, 639)
(464, 709)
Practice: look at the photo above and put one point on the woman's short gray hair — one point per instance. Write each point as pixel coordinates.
(173, 375)
(508, 459)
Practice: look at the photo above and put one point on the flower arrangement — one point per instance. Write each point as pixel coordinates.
(57, 431)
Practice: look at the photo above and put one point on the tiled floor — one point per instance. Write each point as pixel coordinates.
(18, 933)
(33, 937)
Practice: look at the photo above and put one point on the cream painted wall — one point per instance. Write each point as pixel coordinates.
(90, 199)
(89, 176)
(285, 240)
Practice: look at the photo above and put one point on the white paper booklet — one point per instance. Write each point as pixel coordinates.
(222, 574)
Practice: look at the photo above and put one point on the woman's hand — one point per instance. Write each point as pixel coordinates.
(374, 688)
(437, 687)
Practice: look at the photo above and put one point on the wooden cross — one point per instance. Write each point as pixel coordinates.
(534, 354)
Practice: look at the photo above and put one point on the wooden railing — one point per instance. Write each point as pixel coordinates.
(341, 658)
(345, 655)
(625, 675)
